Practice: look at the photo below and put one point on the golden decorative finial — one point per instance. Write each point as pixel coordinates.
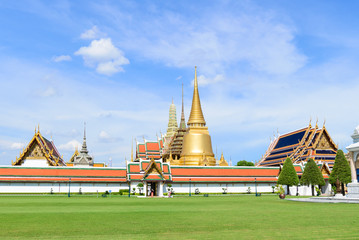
(324, 123)
(170, 159)
(38, 128)
(196, 116)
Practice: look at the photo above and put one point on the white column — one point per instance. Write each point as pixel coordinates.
(145, 188)
(160, 192)
(352, 167)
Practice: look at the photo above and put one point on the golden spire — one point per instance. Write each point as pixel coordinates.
(196, 116)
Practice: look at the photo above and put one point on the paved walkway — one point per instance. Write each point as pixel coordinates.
(326, 200)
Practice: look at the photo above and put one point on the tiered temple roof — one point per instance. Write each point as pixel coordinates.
(175, 146)
(39, 148)
(300, 145)
(83, 158)
(149, 149)
(149, 170)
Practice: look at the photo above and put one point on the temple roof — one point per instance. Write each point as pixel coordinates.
(149, 149)
(83, 158)
(300, 145)
(40, 148)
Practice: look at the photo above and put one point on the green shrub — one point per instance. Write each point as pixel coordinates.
(245, 163)
(123, 191)
(341, 173)
(288, 176)
(312, 175)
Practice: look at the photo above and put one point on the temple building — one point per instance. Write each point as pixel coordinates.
(150, 149)
(191, 146)
(197, 144)
(40, 152)
(172, 125)
(300, 145)
(182, 161)
(173, 152)
(82, 158)
(353, 155)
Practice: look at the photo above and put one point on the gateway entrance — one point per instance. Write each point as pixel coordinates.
(152, 187)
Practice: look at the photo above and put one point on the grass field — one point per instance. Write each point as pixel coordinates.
(227, 217)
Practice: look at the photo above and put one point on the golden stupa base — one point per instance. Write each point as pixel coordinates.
(197, 160)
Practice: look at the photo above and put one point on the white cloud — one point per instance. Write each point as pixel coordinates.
(70, 146)
(92, 33)
(257, 39)
(49, 92)
(8, 145)
(106, 137)
(104, 56)
(62, 58)
(17, 145)
(203, 80)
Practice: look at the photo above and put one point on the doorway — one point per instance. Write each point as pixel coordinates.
(152, 187)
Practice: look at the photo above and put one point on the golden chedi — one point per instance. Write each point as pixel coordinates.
(197, 145)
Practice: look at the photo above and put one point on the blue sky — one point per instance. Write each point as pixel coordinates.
(262, 66)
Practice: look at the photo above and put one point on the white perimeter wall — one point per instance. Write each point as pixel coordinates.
(214, 187)
(15, 187)
(60, 187)
(307, 190)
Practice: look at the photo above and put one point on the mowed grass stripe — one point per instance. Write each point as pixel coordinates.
(230, 217)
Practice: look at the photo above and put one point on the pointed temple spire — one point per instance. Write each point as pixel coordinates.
(172, 121)
(84, 146)
(183, 120)
(197, 141)
(196, 116)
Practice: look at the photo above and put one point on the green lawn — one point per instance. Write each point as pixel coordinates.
(227, 217)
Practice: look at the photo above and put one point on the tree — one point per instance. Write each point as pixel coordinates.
(140, 186)
(244, 163)
(341, 173)
(288, 176)
(312, 175)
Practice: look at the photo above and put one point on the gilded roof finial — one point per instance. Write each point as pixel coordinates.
(316, 123)
(170, 159)
(38, 127)
(196, 115)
